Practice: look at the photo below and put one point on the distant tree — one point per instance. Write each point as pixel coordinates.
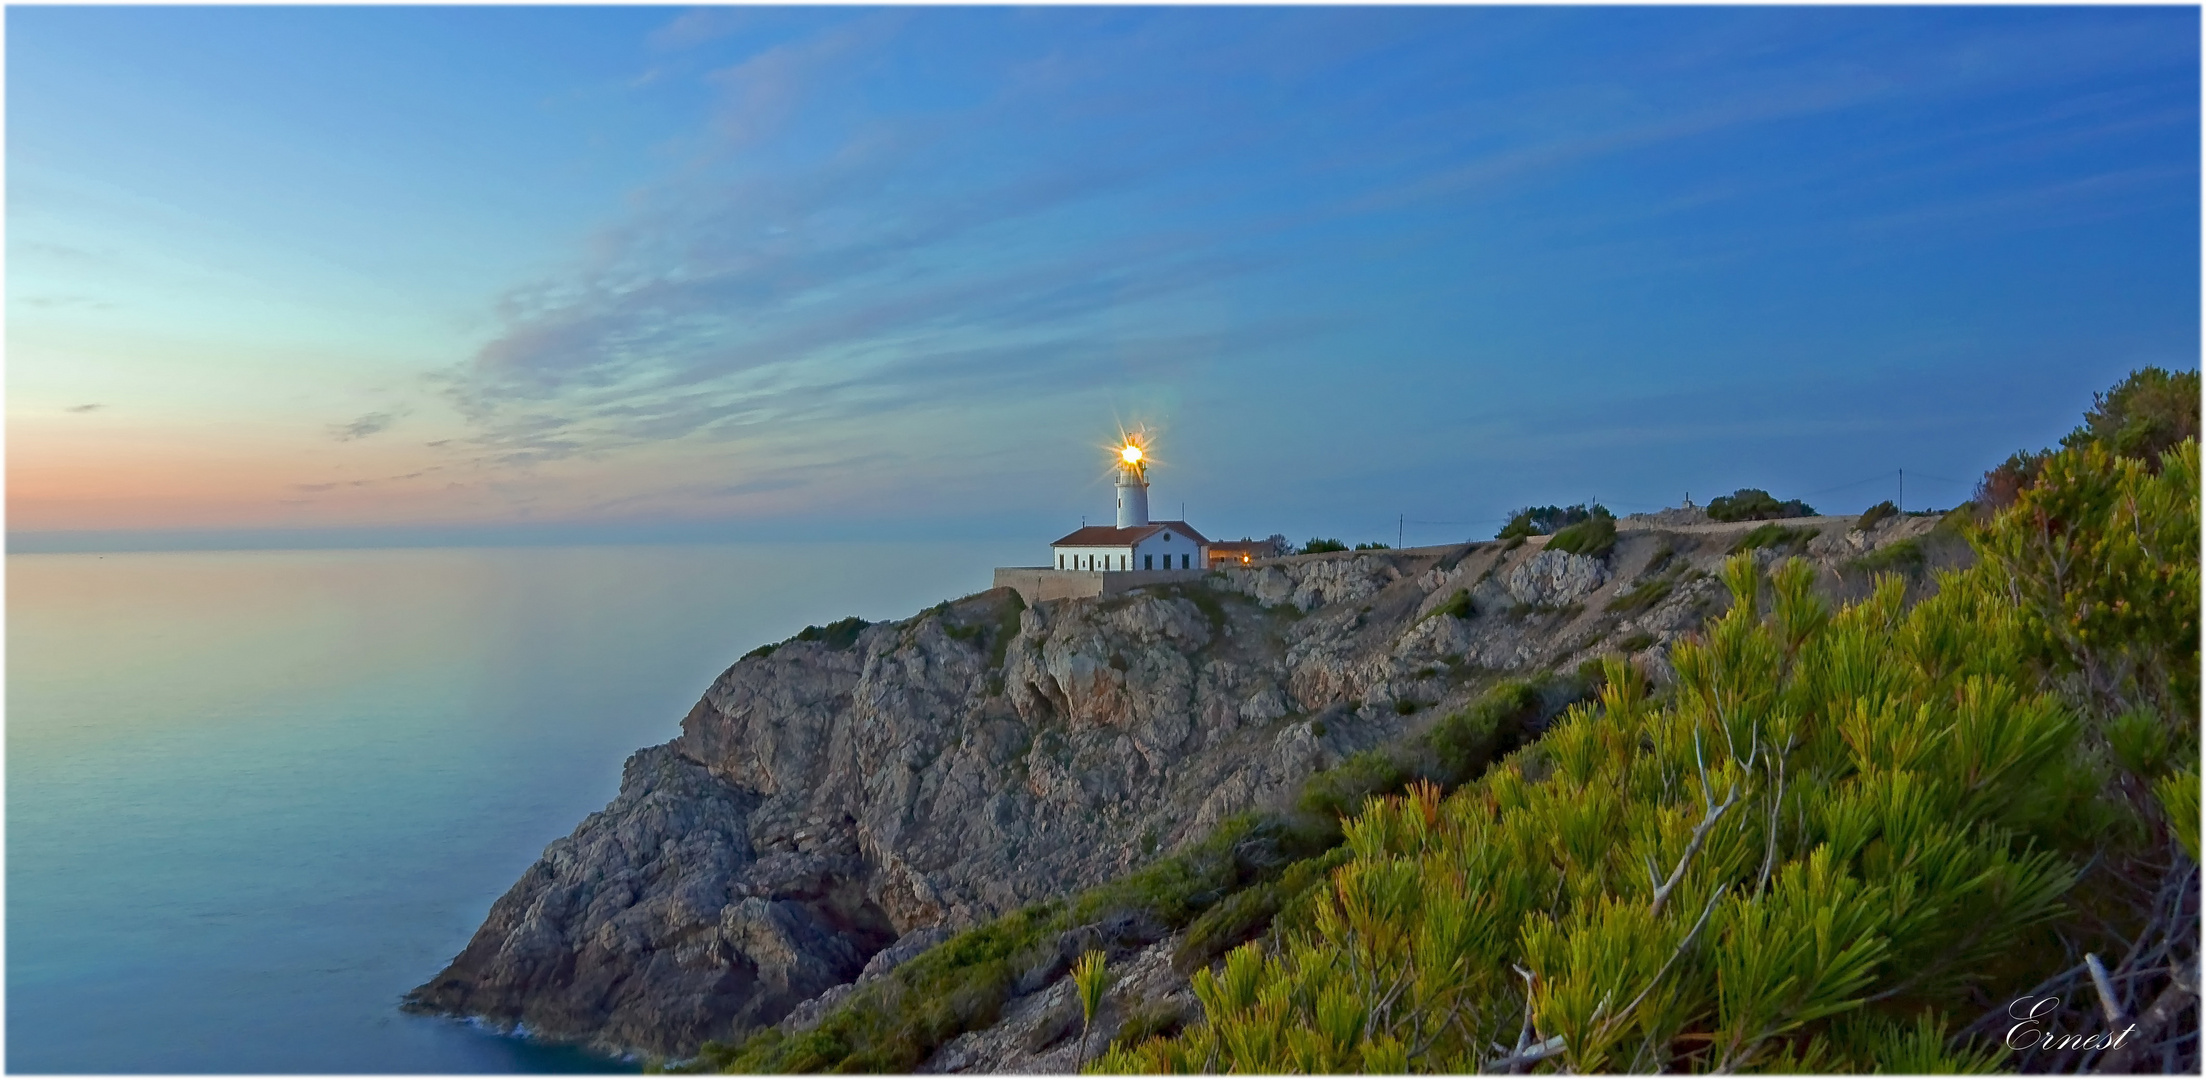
(1316, 545)
(1754, 504)
(2148, 412)
(2006, 481)
(1542, 520)
(1373, 546)
(2142, 416)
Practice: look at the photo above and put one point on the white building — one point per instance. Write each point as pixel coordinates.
(1157, 545)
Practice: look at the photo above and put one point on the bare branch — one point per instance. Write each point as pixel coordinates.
(1532, 1056)
(2108, 1004)
(1692, 848)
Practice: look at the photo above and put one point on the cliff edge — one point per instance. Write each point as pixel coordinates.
(833, 807)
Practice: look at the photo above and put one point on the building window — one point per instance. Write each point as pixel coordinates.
(1148, 562)
(1183, 561)
(1060, 562)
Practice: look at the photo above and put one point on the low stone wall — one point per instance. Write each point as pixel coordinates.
(1038, 583)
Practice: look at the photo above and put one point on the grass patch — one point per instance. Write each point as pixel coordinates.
(1635, 642)
(1249, 912)
(1595, 536)
(1875, 515)
(1774, 536)
(1151, 1020)
(1457, 606)
(1642, 596)
(1899, 557)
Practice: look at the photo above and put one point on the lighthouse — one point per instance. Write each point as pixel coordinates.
(1105, 560)
(1133, 488)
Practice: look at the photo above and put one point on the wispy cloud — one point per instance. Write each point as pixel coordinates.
(369, 424)
(829, 255)
(85, 408)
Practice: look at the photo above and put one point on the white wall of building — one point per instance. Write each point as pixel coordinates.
(1097, 558)
(1169, 549)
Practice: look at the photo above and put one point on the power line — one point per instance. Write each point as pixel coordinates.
(1842, 487)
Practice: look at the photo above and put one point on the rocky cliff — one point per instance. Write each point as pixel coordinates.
(831, 808)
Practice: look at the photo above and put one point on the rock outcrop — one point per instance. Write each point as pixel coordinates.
(829, 812)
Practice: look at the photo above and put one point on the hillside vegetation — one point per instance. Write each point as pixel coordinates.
(1831, 802)
(1839, 841)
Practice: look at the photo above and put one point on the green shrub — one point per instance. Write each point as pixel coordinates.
(1249, 912)
(1458, 605)
(1635, 642)
(1147, 1021)
(1595, 536)
(1754, 504)
(1841, 836)
(1838, 818)
(1339, 791)
(1465, 741)
(1774, 536)
(1373, 546)
(1543, 520)
(1871, 517)
(2144, 416)
(1898, 557)
(838, 635)
(1316, 546)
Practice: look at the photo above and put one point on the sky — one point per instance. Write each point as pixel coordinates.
(395, 275)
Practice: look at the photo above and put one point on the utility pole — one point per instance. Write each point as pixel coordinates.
(1401, 523)
(1903, 491)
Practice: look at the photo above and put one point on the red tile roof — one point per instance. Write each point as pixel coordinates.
(1111, 536)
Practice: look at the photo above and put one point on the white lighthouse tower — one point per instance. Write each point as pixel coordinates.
(1133, 488)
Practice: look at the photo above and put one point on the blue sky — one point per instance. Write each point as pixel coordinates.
(509, 272)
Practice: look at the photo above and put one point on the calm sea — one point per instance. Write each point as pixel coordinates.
(254, 797)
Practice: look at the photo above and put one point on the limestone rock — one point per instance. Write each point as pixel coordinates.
(1555, 578)
(826, 813)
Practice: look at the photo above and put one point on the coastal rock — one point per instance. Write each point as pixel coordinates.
(1555, 578)
(828, 813)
